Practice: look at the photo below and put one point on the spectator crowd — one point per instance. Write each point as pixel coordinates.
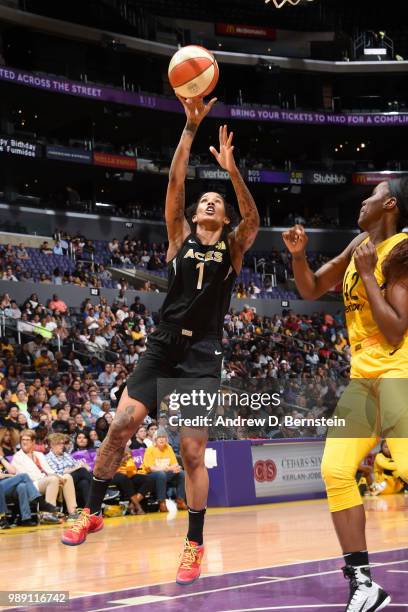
(60, 369)
(79, 261)
(76, 260)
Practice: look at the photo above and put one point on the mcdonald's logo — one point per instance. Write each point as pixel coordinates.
(359, 179)
(245, 31)
(373, 178)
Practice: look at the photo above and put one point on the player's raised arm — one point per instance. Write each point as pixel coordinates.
(177, 226)
(311, 285)
(245, 234)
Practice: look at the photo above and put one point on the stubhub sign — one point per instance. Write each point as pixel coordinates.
(327, 178)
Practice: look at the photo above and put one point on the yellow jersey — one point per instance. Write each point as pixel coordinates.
(154, 457)
(359, 318)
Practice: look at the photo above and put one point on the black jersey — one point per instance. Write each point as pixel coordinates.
(201, 279)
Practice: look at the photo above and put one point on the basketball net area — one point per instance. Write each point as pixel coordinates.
(280, 3)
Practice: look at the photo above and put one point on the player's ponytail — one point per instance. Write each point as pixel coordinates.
(399, 190)
(395, 266)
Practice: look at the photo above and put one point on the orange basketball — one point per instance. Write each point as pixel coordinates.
(193, 72)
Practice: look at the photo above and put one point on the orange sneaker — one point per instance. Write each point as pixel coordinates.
(190, 566)
(85, 523)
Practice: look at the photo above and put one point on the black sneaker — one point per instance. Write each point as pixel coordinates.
(28, 523)
(48, 518)
(111, 494)
(46, 507)
(4, 524)
(365, 595)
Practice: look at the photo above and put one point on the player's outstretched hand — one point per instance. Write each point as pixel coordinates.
(225, 156)
(196, 109)
(365, 258)
(295, 239)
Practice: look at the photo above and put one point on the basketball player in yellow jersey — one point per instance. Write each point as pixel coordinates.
(374, 269)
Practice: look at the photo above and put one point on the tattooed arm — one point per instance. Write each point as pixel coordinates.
(177, 226)
(244, 235)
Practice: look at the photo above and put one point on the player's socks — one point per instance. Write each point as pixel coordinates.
(196, 525)
(356, 559)
(365, 594)
(96, 494)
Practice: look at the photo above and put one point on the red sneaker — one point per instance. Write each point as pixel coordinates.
(190, 566)
(86, 523)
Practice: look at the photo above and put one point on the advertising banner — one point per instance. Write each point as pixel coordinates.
(69, 154)
(22, 148)
(267, 176)
(245, 31)
(272, 176)
(283, 469)
(212, 173)
(373, 178)
(114, 161)
(224, 111)
(312, 118)
(326, 178)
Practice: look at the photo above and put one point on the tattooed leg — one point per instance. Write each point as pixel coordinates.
(129, 415)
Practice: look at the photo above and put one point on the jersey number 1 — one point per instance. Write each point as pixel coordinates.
(200, 267)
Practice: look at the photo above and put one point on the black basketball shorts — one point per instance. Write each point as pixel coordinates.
(172, 353)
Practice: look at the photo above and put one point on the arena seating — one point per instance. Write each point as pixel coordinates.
(81, 267)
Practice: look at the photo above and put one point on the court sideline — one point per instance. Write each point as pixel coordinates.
(270, 557)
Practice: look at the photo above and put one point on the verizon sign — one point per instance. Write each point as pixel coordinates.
(213, 173)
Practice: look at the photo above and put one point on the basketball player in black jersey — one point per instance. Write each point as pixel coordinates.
(204, 261)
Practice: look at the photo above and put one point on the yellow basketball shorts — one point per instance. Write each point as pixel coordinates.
(373, 406)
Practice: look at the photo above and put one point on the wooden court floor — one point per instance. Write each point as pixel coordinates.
(138, 551)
